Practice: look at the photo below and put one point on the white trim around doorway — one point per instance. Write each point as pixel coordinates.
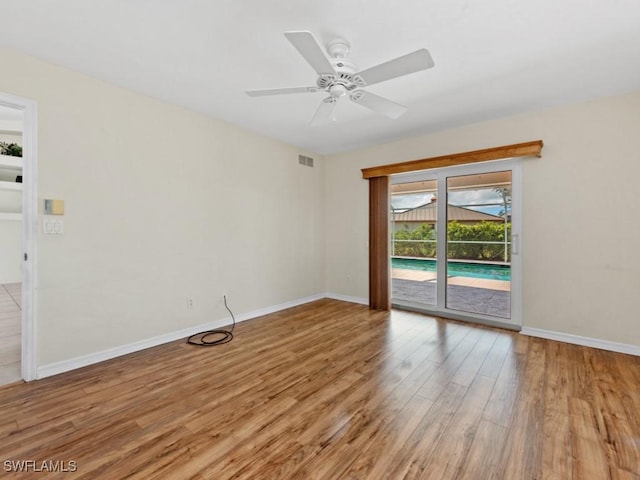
(29, 230)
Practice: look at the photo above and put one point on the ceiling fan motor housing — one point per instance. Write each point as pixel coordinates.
(344, 76)
(344, 80)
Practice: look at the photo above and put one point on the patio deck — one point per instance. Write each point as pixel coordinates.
(477, 295)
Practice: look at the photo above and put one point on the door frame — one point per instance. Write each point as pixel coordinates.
(29, 230)
(441, 175)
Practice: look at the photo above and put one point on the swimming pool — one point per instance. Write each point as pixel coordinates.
(457, 269)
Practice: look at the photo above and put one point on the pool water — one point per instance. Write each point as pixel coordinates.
(457, 269)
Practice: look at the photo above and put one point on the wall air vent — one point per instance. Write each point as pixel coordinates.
(307, 161)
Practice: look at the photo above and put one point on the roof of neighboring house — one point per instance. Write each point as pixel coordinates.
(428, 214)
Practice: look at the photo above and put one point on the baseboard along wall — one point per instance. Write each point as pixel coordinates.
(584, 341)
(85, 360)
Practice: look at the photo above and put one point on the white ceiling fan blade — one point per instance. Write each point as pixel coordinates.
(410, 63)
(280, 91)
(378, 104)
(325, 112)
(309, 48)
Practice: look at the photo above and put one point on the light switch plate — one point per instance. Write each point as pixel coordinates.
(52, 226)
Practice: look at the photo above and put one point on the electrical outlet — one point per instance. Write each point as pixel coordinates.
(189, 302)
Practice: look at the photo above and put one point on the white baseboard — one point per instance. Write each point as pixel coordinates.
(584, 341)
(347, 298)
(276, 308)
(84, 360)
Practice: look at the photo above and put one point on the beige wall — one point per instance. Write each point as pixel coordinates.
(149, 222)
(161, 204)
(581, 227)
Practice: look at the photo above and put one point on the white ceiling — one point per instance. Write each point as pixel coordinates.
(492, 57)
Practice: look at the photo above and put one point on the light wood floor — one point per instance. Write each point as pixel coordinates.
(332, 390)
(10, 332)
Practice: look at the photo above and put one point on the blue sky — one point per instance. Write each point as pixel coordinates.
(465, 198)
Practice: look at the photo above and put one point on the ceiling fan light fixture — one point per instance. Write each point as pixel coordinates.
(338, 90)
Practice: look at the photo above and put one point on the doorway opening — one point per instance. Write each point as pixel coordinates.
(11, 200)
(455, 242)
(18, 218)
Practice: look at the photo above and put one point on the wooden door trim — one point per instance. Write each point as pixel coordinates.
(379, 260)
(528, 149)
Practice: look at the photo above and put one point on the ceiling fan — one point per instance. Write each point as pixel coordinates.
(339, 77)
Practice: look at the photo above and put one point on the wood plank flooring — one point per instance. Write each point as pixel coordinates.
(332, 390)
(10, 332)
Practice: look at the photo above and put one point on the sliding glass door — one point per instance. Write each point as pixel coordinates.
(479, 243)
(455, 241)
(414, 245)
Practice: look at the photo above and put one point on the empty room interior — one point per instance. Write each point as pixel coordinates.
(286, 240)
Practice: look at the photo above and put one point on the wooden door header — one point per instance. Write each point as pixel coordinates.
(528, 149)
